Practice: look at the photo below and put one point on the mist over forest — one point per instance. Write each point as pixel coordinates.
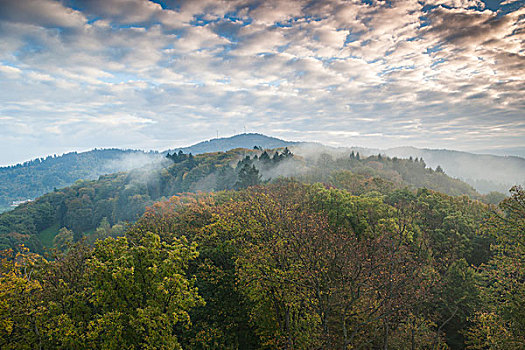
(300, 248)
(374, 198)
(34, 178)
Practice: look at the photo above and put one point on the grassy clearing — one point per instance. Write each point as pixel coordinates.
(46, 236)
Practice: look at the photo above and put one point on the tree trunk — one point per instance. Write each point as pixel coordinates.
(288, 331)
(385, 335)
(413, 336)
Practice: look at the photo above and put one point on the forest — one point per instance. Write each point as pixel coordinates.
(121, 198)
(262, 175)
(34, 178)
(265, 249)
(280, 266)
(37, 177)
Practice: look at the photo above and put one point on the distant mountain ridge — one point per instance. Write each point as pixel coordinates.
(484, 172)
(238, 141)
(37, 177)
(122, 197)
(34, 178)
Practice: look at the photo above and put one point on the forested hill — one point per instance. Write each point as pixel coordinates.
(281, 266)
(39, 176)
(114, 199)
(298, 252)
(483, 171)
(34, 178)
(238, 141)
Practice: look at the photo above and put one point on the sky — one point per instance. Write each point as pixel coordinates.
(75, 75)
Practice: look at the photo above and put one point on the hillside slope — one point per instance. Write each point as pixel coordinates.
(483, 171)
(238, 141)
(122, 197)
(39, 176)
(34, 178)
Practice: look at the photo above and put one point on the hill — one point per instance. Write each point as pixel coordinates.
(224, 144)
(329, 241)
(34, 178)
(483, 171)
(280, 266)
(29, 180)
(39, 176)
(115, 199)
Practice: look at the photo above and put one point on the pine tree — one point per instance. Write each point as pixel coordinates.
(286, 153)
(265, 158)
(276, 157)
(247, 176)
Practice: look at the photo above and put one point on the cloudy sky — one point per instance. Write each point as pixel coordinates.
(75, 75)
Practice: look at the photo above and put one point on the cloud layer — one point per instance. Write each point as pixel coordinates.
(143, 74)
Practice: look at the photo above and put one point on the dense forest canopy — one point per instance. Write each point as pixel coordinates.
(37, 177)
(265, 249)
(281, 266)
(122, 197)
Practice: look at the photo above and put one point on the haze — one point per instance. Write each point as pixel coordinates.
(76, 75)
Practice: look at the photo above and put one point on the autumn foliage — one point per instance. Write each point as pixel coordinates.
(281, 266)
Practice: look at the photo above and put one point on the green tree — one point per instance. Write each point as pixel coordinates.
(226, 178)
(247, 176)
(20, 306)
(126, 293)
(265, 158)
(63, 239)
(139, 286)
(500, 324)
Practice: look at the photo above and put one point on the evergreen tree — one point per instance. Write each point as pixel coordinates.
(286, 153)
(177, 157)
(191, 161)
(265, 158)
(226, 178)
(276, 157)
(248, 176)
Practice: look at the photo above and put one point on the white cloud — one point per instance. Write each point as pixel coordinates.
(9, 71)
(457, 3)
(446, 75)
(272, 11)
(46, 13)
